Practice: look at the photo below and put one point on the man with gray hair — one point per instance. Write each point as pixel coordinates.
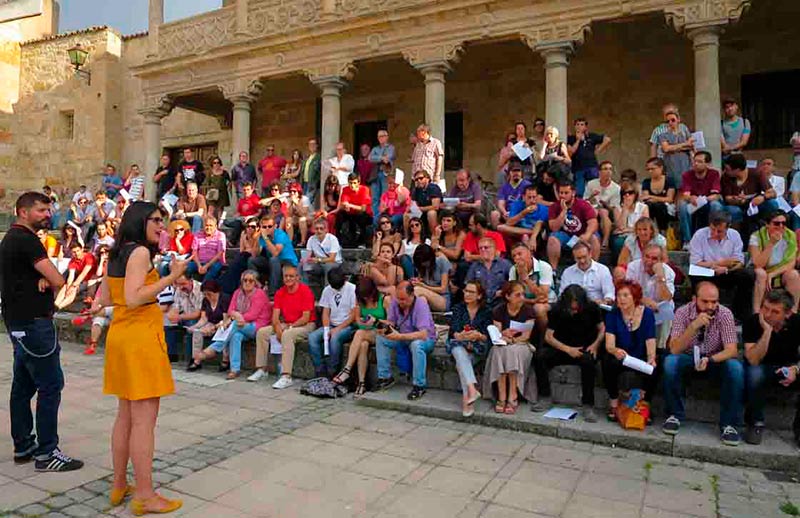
(428, 154)
(657, 280)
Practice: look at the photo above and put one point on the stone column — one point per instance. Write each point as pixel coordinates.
(152, 139)
(556, 60)
(331, 87)
(434, 73)
(705, 41)
(155, 19)
(241, 16)
(242, 106)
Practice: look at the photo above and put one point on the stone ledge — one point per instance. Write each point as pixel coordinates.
(697, 441)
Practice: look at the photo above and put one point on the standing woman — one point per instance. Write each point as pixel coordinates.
(553, 151)
(414, 238)
(330, 201)
(137, 368)
(292, 168)
(677, 144)
(658, 193)
(218, 185)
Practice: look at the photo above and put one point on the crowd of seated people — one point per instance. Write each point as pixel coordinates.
(496, 271)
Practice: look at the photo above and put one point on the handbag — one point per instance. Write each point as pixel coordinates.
(212, 194)
(633, 410)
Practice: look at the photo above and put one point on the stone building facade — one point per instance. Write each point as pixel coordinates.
(259, 72)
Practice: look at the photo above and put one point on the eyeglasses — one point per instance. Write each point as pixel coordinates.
(180, 229)
(778, 223)
(415, 225)
(485, 247)
(386, 222)
(419, 178)
(672, 120)
(267, 226)
(248, 280)
(252, 226)
(157, 220)
(276, 189)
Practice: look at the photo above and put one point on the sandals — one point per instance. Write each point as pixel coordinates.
(511, 407)
(342, 376)
(90, 349)
(224, 367)
(612, 414)
(140, 507)
(361, 389)
(232, 375)
(118, 494)
(500, 407)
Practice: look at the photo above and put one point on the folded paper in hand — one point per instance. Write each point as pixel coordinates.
(636, 364)
(700, 271)
(275, 346)
(451, 202)
(223, 333)
(702, 201)
(699, 140)
(495, 336)
(522, 151)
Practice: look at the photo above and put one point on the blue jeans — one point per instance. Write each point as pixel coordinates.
(582, 176)
(212, 273)
(419, 357)
(237, 336)
(738, 213)
(731, 374)
(407, 264)
(172, 335)
(37, 369)
(377, 188)
(757, 379)
(269, 267)
(316, 344)
(197, 224)
(700, 216)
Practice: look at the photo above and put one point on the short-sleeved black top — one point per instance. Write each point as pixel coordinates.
(20, 250)
(579, 330)
(783, 345)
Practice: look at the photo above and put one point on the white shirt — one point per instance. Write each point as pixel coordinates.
(85, 194)
(409, 248)
(329, 245)
(341, 303)
(779, 184)
(597, 280)
(636, 272)
(544, 271)
(347, 162)
(609, 194)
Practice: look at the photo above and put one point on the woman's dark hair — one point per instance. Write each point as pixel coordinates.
(367, 290)
(508, 288)
(64, 232)
(424, 261)
(421, 229)
(211, 285)
(133, 229)
(573, 293)
(386, 216)
(480, 289)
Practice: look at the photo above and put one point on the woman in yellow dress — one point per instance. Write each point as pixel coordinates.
(137, 368)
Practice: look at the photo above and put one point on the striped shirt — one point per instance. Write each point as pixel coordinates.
(425, 155)
(207, 247)
(659, 130)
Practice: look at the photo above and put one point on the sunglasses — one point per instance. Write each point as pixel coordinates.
(180, 229)
(419, 178)
(672, 120)
(778, 223)
(415, 225)
(267, 226)
(624, 193)
(385, 222)
(249, 281)
(252, 226)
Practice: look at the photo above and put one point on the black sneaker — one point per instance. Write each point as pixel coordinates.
(671, 426)
(384, 384)
(58, 462)
(416, 393)
(730, 436)
(753, 434)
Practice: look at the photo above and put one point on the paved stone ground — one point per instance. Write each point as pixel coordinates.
(239, 449)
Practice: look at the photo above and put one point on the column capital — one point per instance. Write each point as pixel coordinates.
(705, 13)
(434, 59)
(156, 107)
(333, 76)
(557, 36)
(556, 53)
(242, 92)
(705, 35)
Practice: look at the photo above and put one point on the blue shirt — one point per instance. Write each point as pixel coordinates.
(116, 180)
(529, 221)
(493, 278)
(632, 342)
(287, 252)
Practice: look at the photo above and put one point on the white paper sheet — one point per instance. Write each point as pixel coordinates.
(700, 271)
(783, 204)
(451, 202)
(665, 312)
(495, 336)
(60, 264)
(275, 346)
(699, 140)
(696, 354)
(796, 209)
(520, 326)
(573, 241)
(565, 414)
(399, 176)
(752, 164)
(752, 210)
(223, 333)
(414, 211)
(169, 199)
(605, 307)
(305, 255)
(326, 340)
(636, 364)
(702, 201)
(125, 194)
(522, 151)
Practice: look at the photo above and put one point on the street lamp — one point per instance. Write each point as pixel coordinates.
(77, 58)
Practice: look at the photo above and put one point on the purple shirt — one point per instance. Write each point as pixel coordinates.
(419, 318)
(510, 193)
(469, 195)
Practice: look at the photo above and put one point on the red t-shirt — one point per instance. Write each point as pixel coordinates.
(292, 305)
(360, 197)
(707, 185)
(79, 265)
(186, 241)
(471, 242)
(574, 224)
(270, 168)
(249, 206)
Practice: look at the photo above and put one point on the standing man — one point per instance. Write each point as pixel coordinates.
(164, 177)
(383, 157)
(342, 164)
(27, 283)
(735, 129)
(583, 148)
(270, 168)
(189, 170)
(428, 154)
(243, 173)
(311, 171)
(663, 127)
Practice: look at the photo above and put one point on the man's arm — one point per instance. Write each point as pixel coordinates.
(604, 145)
(591, 228)
(48, 270)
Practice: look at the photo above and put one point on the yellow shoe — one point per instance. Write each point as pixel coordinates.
(118, 495)
(150, 506)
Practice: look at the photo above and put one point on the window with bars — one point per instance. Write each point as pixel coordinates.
(771, 101)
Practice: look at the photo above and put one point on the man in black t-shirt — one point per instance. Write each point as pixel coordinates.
(427, 196)
(583, 148)
(27, 282)
(189, 170)
(165, 176)
(771, 350)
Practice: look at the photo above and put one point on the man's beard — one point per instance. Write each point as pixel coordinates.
(43, 224)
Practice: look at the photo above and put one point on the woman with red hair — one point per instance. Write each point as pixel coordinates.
(630, 330)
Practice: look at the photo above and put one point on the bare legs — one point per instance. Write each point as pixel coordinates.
(436, 301)
(358, 352)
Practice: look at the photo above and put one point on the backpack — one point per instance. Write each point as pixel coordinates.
(323, 388)
(350, 234)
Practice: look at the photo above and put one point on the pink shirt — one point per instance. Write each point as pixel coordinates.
(260, 310)
(207, 247)
(389, 201)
